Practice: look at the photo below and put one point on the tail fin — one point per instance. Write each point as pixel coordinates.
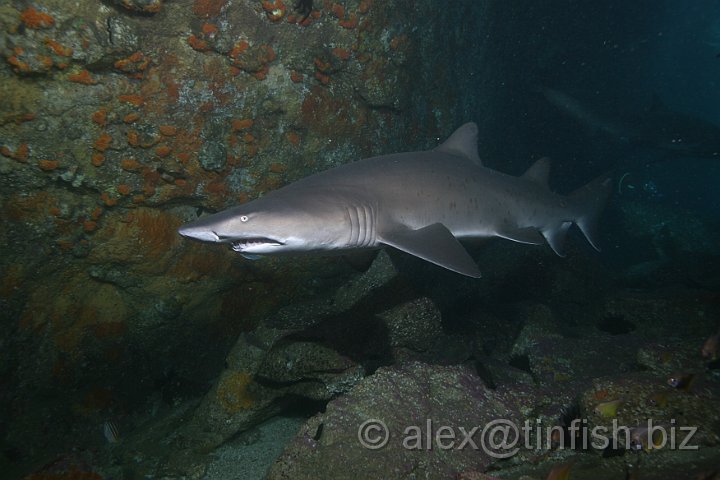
(589, 201)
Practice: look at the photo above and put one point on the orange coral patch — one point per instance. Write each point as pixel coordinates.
(243, 124)
(100, 117)
(83, 77)
(108, 200)
(262, 73)
(21, 154)
(277, 167)
(130, 165)
(103, 142)
(134, 64)
(208, 8)
(239, 48)
(168, 130)
(136, 100)
(19, 65)
(131, 117)
(322, 78)
(198, 44)
(321, 65)
(89, 226)
(341, 53)
(133, 138)
(274, 10)
(58, 49)
(209, 28)
(216, 187)
(35, 19)
(293, 138)
(267, 54)
(350, 23)
(338, 10)
(163, 151)
(48, 165)
(45, 60)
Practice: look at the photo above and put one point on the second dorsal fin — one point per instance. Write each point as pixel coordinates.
(539, 172)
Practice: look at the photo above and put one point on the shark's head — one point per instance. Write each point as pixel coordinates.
(276, 223)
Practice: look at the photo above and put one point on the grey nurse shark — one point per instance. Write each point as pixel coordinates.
(422, 203)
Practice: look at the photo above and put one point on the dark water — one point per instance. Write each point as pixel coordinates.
(620, 58)
(127, 352)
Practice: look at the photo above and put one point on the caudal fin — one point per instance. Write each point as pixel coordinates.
(589, 202)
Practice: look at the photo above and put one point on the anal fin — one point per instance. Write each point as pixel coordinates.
(434, 243)
(555, 237)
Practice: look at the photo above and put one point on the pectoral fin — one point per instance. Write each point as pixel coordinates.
(434, 243)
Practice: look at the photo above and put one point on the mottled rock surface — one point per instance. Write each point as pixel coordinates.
(120, 120)
(402, 398)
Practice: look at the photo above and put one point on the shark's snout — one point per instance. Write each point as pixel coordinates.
(239, 243)
(198, 233)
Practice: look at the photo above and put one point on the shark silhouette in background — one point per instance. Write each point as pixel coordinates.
(657, 127)
(422, 203)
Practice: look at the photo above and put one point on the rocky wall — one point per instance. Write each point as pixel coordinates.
(119, 120)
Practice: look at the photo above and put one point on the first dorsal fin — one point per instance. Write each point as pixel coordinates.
(463, 142)
(539, 172)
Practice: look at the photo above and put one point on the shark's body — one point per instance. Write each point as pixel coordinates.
(419, 202)
(657, 127)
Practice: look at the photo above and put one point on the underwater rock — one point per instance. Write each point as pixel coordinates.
(540, 325)
(669, 357)
(381, 92)
(569, 360)
(147, 6)
(414, 332)
(640, 399)
(661, 242)
(414, 325)
(380, 284)
(122, 35)
(301, 351)
(293, 362)
(108, 112)
(213, 153)
(399, 400)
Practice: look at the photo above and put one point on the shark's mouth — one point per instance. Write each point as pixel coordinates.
(243, 244)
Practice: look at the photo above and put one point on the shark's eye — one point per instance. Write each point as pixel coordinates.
(244, 218)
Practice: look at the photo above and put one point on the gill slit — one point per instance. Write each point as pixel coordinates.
(354, 226)
(362, 225)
